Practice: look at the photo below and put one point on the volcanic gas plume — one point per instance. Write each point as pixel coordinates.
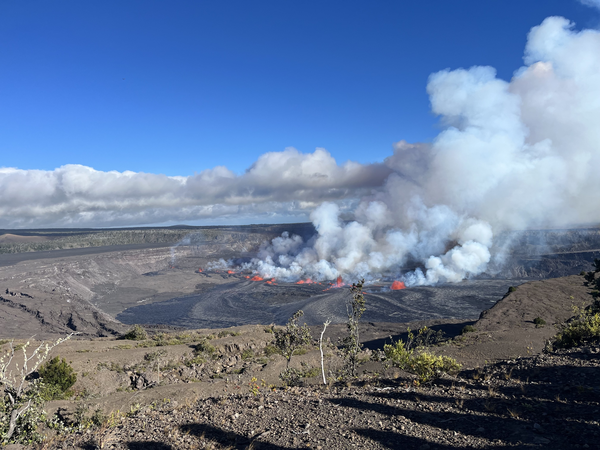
(512, 155)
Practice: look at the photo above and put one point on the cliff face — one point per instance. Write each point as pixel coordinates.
(54, 296)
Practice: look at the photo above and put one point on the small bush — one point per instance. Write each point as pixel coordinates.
(247, 354)
(468, 329)
(197, 360)
(137, 333)
(204, 347)
(429, 366)
(58, 377)
(270, 350)
(539, 322)
(512, 289)
(292, 338)
(424, 364)
(292, 376)
(225, 333)
(584, 328)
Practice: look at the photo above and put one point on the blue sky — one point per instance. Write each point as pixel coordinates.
(179, 87)
(150, 112)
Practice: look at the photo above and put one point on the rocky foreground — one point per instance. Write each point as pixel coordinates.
(513, 390)
(548, 400)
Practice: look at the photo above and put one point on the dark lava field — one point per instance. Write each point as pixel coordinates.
(101, 290)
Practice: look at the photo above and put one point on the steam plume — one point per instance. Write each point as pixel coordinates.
(512, 155)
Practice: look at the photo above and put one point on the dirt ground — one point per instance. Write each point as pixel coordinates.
(509, 394)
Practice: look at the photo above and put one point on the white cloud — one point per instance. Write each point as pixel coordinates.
(279, 184)
(592, 3)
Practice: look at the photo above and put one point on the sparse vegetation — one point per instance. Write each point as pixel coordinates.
(292, 338)
(226, 333)
(351, 345)
(136, 333)
(247, 354)
(583, 328)
(420, 362)
(205, 348)
(21, 404)
(468, 329)
(58, 377)
(292, 376)
(539, 322)
(271, 350)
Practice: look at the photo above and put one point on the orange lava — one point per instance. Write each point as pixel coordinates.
(397, 285)
(256, 278)
(271, 281)
(338, 284)
(200, 270)
(230, 271)
(307, 281)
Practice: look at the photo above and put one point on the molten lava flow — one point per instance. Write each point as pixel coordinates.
(307, 281)
(200, 270)
(256, 278)
(397, 285)
(271, 281)
(338, 284)
(230, 272)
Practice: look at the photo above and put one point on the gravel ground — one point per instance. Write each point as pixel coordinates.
(549, 401)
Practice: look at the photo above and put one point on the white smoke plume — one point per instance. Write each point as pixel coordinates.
(512, 155)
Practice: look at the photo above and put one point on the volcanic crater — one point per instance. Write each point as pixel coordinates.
(100, 291)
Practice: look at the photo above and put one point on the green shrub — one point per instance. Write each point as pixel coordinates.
(539, 322)
(21, 402)
(58, 377)
(196, 360)
(429, 366)
(204, 347)
(292, 376)
(512, 289)
(270, 350)
(292, 338)
(425, 365)
(226, 333)
(248, 353)
(136, 333)
(584, 328)
(468, 329)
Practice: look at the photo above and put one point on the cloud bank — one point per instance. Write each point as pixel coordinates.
(278, 184)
